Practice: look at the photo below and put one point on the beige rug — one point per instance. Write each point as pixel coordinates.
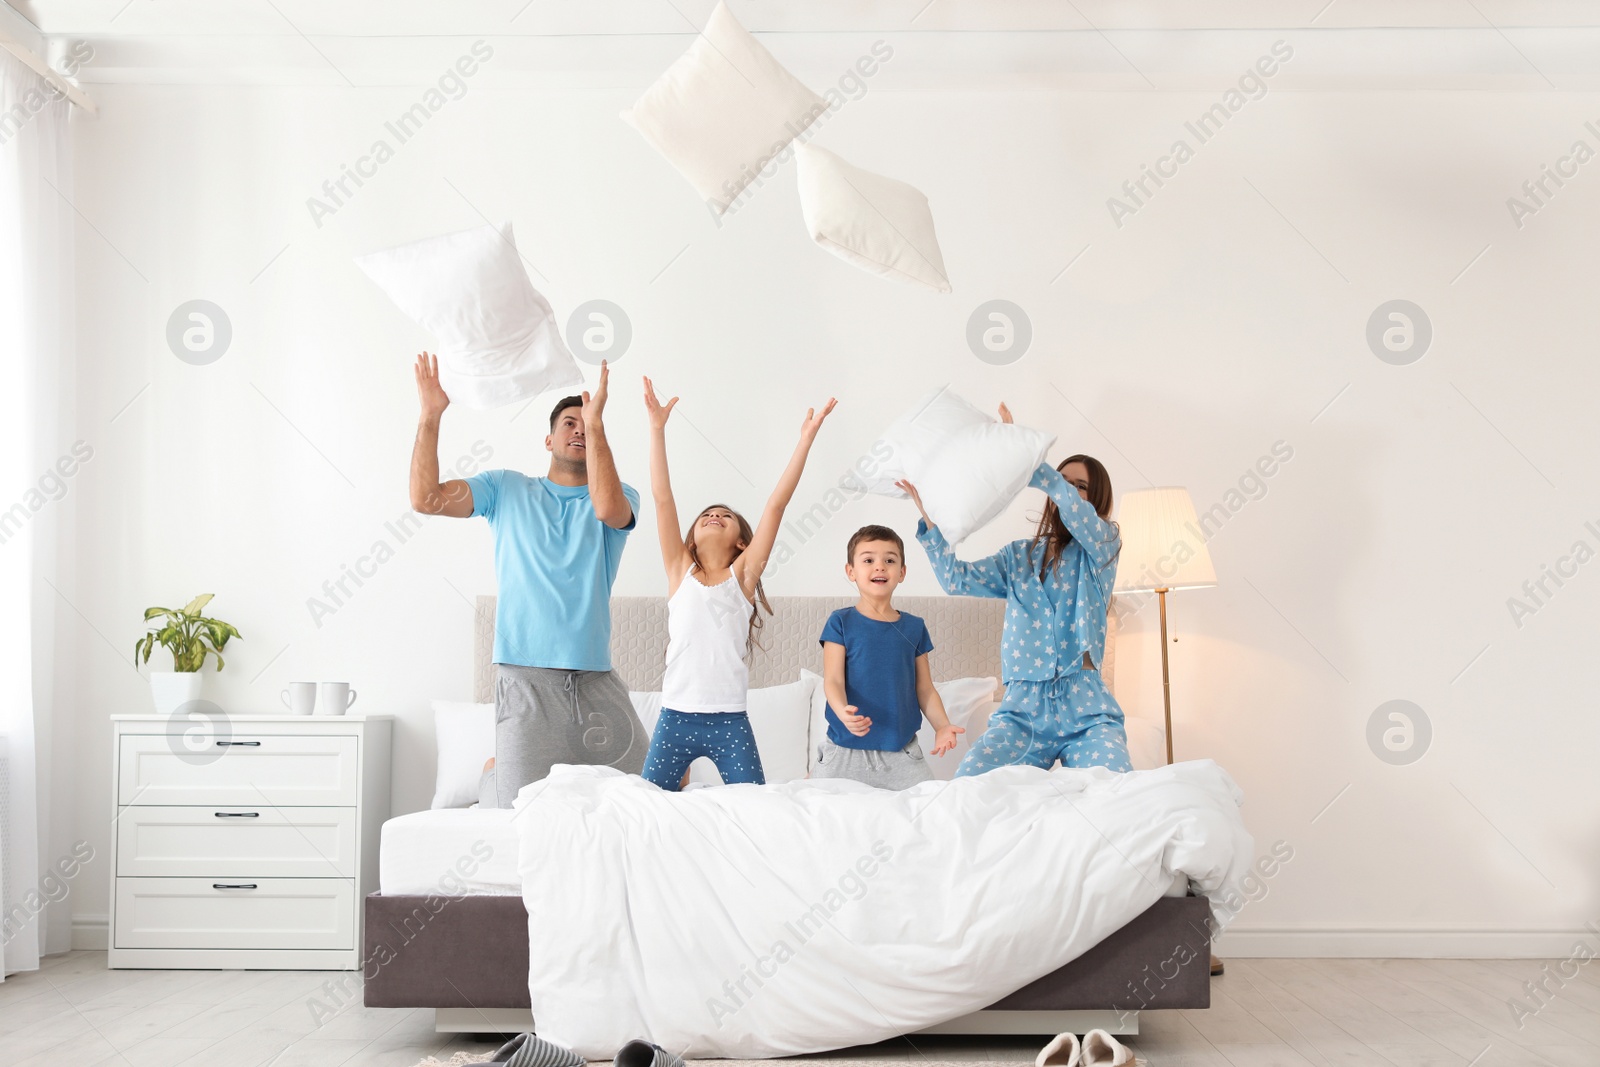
(463, 1059)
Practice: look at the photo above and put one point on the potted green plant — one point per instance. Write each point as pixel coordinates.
(190, 637)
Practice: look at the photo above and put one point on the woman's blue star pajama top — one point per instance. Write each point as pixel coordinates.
(1055, 708)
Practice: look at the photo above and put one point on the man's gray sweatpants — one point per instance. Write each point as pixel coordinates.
(544, 716)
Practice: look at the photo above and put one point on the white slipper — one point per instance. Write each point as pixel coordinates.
(1062, 1051)
(1100, 1049)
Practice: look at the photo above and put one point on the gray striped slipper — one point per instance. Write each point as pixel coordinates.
(531, 1050)
(644, 1054)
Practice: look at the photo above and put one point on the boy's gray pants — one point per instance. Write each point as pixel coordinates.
(883, 770)
(544, 716)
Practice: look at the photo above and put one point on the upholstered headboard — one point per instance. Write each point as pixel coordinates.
(965, 630)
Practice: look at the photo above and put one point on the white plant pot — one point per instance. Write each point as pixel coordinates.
(173, 689)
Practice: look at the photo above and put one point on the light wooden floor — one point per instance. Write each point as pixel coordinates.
(1265, 1013)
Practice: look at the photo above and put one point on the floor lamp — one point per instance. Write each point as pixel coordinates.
(1163, 549)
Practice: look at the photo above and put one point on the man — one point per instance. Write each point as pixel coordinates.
(557, 543)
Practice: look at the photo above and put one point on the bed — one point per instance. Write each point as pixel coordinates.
(449, 928)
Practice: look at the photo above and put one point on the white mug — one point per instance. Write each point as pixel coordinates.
(335, 698)
(300, 697)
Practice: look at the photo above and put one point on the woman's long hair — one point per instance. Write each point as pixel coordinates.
(746, 535)
(1052, 532)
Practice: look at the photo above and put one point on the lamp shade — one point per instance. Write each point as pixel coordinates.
(1162, 544)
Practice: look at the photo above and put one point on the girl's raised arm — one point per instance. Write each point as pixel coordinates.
(753, 560)
(674, 557)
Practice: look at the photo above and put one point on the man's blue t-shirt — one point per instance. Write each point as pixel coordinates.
(555, 562)
(880, 677)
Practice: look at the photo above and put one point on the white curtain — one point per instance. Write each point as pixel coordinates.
(36, 375)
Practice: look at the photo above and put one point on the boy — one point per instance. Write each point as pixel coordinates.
(876, 676)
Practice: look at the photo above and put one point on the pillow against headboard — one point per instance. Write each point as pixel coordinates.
(965, 631)
(1108, 662)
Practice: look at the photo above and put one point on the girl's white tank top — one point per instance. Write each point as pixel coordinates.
(707, 630)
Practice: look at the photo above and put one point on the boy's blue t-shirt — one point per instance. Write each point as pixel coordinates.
(880, 677)
(555, 562)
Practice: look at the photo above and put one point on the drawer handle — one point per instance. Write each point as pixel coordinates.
(237, 814)
(248, 744)
(222, 885)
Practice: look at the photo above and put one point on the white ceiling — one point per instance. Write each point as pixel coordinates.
(380, 18)
(969, 44)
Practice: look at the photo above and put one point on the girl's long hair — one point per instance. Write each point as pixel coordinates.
(1052, 532)
(746, 535)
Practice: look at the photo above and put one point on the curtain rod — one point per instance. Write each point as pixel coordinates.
(22, 39)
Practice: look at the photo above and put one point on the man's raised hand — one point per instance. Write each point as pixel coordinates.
(429, 392)
(594, 405)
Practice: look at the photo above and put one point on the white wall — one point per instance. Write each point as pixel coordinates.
(1222, 318)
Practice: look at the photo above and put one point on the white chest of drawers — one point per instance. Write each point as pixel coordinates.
(245, 842)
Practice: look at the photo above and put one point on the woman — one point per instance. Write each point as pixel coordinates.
(1058, 589)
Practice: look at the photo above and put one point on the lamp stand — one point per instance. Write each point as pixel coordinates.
(1166, 681)
(1166, 701)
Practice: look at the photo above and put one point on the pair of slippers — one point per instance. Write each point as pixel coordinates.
(1099, 1049)
(531, 1050)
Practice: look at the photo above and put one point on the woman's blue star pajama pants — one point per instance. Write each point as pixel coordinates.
(1073, 718)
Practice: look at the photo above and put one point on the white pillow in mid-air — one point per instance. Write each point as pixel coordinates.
(498, 339)
(879, 224)
(723, 110)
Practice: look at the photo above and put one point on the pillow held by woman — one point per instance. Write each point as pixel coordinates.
(966, 466)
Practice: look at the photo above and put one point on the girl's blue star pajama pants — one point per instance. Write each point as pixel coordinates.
(681, 737)
(1073, 718)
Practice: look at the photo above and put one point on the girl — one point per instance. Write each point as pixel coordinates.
(1058, 588)
(713, 585)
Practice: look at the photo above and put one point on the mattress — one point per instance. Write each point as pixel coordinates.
(449, 852)
(455, 851)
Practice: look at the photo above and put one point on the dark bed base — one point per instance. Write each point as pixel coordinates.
(472, 952)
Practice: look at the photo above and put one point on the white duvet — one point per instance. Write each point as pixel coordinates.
(754, 921)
